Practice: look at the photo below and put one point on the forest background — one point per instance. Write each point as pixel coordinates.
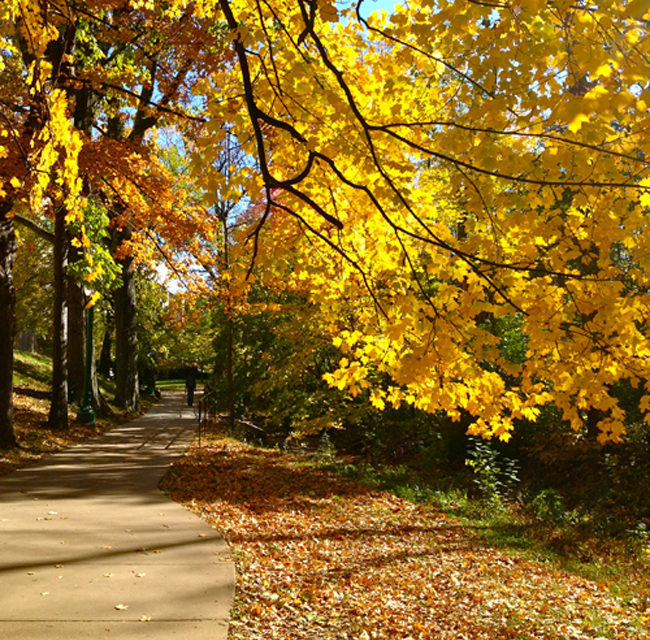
(416, 239)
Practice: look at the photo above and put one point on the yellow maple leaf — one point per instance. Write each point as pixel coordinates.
(576, 124)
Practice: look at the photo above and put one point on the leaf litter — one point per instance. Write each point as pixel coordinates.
(320, 556)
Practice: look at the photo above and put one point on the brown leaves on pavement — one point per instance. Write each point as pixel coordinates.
(322, 557)
(35, 438)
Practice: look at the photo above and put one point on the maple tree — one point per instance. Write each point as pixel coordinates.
(449, 168)
(423, 178)
(39, 149)
(69, 71)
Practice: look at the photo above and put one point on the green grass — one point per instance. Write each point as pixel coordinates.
(106, 387)
(170, 384)
(32, 370)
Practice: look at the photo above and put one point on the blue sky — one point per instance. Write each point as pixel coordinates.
(369, 6)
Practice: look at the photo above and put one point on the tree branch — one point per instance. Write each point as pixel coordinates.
(38, 230)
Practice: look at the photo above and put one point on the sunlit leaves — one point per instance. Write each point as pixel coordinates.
(483, 162)
(418, 176)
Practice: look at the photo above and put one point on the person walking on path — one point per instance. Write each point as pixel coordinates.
(190, 386)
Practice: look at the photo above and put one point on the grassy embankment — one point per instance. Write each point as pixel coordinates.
(32, 376)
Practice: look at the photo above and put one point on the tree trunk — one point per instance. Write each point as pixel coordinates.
(101, 407)
(594, 416)
(76, 335)
(27, 342)
(86, 101)
(58, 418)
(126, 340)
(230, 386)
(60, 52)
(7, 324)
(104, 366)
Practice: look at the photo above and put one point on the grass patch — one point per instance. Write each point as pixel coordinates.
(32, 370)
(170, 384)
(106, 387)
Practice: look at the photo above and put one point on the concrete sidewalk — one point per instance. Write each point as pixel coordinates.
(90, 548)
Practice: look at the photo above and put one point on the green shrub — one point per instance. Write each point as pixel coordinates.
(495, 476)
(549, 505)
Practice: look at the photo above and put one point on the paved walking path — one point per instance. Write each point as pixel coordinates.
(90, 548)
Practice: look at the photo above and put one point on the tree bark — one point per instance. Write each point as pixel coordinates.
(230, 383)
(86, 101)
(7, 324)
(61, 52)
(58, 418)
(101, 407)
(104, 366)
(76, 334)
(126, 340)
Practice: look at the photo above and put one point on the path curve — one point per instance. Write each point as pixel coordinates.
(91, 548)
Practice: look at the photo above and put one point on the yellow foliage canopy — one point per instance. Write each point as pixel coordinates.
(434, 181)
(431, 175)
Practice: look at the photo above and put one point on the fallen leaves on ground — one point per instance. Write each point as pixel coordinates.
(322, 557)
(36, 439)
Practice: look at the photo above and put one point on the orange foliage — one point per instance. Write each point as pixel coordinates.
(319, 556)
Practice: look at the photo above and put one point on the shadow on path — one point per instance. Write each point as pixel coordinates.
(88, 529)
